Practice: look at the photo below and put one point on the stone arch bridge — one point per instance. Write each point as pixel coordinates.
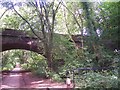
(19, 39)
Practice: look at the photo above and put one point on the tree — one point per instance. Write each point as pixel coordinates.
(45, 13)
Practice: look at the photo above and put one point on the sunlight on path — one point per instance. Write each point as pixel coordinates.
(35, 82)
(12, 80)
(28, 80)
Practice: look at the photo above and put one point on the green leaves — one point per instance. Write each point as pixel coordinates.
(96, 81)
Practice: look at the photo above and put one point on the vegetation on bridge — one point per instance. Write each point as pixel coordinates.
(97, 21)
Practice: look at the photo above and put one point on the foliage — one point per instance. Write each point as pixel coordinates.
(9, 59)
(38, 65)
(110, 24)
(96, 80)
(11, 21)
(97, 23)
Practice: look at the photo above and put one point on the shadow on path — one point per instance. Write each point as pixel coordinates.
(28, 80)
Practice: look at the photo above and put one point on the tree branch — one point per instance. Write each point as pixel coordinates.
(73, 15)
(6, 11)
(27, 23)
(69, 33)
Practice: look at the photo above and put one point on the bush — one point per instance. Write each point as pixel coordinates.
(56, 77)
(96, 80)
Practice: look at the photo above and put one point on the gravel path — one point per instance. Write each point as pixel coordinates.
(27, 80)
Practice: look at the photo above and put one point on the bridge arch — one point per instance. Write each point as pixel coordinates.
(16, 39)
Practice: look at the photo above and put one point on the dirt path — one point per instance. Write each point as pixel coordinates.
(27, 80)
(12, 80)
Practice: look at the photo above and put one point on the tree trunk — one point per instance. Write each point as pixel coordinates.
(94, 39)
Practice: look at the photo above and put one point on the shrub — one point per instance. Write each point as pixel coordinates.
(97, 80)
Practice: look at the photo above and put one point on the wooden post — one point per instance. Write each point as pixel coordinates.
(68, 82)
